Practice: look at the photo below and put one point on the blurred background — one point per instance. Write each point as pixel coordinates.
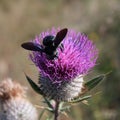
(22, 20)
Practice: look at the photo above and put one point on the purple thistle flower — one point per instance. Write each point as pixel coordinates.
(62, 78)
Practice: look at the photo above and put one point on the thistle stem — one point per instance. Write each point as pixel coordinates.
(56, 113)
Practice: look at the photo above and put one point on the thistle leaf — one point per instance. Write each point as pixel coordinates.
(34, 85)
(48, 102)
(61, 105)
(49, 109)
(66, 108)
(80, 99)
(92, 83)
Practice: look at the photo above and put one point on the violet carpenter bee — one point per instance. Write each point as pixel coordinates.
(50, 44)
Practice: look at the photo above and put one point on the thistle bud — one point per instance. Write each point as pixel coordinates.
(13, 102)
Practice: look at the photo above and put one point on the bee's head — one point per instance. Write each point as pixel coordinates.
(48, 40)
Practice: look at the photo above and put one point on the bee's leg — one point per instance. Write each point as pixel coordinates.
(61, 47)
(56, 55)
(52, 57)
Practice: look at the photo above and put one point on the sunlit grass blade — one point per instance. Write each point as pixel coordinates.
(41, 114)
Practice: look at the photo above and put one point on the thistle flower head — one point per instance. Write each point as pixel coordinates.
(10, 89)
(77, 58)
(13, 102)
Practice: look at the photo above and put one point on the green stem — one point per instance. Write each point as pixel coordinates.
(56, 112)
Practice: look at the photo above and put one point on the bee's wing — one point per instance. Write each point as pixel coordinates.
(60, 36)
(32, 46)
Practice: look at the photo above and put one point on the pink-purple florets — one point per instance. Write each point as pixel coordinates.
(79, 55)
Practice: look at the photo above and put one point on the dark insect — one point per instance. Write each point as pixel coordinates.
(50, 44)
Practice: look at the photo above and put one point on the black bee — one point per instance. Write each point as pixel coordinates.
(50, 44)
